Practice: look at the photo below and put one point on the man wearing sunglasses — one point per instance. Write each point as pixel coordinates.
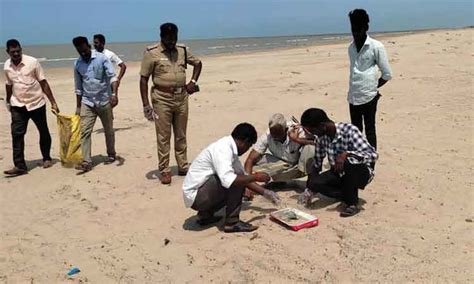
(350, 156)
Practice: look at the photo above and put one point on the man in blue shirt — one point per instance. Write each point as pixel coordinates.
(93, 75)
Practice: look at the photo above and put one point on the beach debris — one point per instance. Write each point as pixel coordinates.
(295, 72)
(73, 271)
(254, 236)
(167, 241)
(392, 42)
(469, 220)
(231, 81)
(326, 94)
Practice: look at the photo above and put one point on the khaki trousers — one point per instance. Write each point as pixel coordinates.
(280, 170)
(88, 118)
(172, 111)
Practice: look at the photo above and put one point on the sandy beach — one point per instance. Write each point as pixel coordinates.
(118, 224)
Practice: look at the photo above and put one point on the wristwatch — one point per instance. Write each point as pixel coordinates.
(194, 81)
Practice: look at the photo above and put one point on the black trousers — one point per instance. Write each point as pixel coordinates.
(366, 113)
(345, 188)
(20, 118)
(212, 196)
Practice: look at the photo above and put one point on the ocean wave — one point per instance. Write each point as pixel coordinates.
(297, 40)
(216, 47)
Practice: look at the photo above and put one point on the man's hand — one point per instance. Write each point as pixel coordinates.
(293, 134)
(113, 100)
(261, 177)
(191, 88)
(118, 83)
(340, 159)
(8, 106)
(149, 113)
(272, 196)
(306, 197)
(78, 110)
(54, 108)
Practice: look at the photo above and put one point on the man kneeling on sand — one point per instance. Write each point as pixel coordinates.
(283, 152)
(350, 156)
(217, 178)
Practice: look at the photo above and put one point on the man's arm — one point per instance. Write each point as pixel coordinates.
(252, 159)
(47, 90)
(384, 66)
(295, 136)
(197, 67)
(123, 68)
(9, 91)
(144, 90)
(78, 90)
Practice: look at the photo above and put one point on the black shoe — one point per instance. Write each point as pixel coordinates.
(14, 172)
(350, 211)
(240, 227)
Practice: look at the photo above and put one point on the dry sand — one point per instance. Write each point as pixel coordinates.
(112, 222)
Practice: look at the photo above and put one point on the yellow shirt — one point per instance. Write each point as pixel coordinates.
(25, 78)
(168, 68)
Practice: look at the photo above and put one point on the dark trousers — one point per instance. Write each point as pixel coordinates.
(366, 113)
(345, 188)
(20, 118)
(212, 196)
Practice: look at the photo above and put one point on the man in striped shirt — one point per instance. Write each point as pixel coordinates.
(349, 154)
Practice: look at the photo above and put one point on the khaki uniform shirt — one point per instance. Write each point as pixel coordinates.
(168, 68)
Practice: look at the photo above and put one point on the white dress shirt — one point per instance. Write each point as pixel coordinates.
(364, 75)
(287, 151)
(219, 158)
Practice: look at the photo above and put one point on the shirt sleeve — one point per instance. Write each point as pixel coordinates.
(222, 162)
(39, 72)
(319, 155)
(192, 60)
(8, 81)
(77, 81)
(262, 144)
(147, 65)
(115, 59)
(361, 148)
(382, 63)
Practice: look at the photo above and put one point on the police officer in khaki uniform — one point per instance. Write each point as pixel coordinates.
(166, 62)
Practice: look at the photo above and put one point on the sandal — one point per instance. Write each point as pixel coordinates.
(110, 160)
(84, 167)
(240, 227)
(350, 211)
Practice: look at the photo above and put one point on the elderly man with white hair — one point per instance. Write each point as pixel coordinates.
(283, 152)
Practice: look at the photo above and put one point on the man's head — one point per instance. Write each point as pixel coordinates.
(14, 50)
(359, 24)
(83, 47)
(244, 136)
(315, 121)
(99, 42)
(277, 126)
(169, 35)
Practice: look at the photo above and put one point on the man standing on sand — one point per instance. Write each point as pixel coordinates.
(26, 87)
(93, 77)
(365, 54)
(350, 156)
(99, 45)
(217, 178)
(166, 62)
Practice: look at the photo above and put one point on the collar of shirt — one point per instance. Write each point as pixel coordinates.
(12, 65)
(93, 55)
(367, 42)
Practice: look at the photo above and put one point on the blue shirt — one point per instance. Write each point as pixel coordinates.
(92, 79)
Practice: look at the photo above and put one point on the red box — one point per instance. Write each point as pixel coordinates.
(294, 219)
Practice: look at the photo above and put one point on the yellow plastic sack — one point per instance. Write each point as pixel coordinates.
(69, 139)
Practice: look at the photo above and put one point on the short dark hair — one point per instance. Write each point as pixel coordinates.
(100, 37)
(359, 18)
(13, 43)
(168, 29)
(245, 132)
(80, 40)
(313, 117)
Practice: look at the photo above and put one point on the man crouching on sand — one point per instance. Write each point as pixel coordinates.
(351, 157)
(217, 178)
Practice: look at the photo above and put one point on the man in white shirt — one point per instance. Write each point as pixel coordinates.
(99, 45)
(365, 54)
(283, 152)
(216, 178)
